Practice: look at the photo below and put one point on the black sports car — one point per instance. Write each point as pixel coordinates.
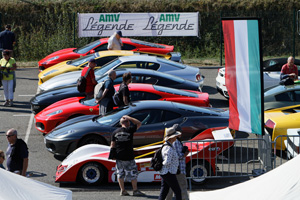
(154, 115)
(44, 99)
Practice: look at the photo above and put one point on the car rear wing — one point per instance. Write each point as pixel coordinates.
(175, 56)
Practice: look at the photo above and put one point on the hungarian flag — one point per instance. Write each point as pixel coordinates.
(242, 74)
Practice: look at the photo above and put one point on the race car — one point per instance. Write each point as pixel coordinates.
(101, 45)
(90, 165)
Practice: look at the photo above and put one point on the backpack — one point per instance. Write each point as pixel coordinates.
(157, 160)
(98, 90)
(287, 81)
(117, 99)
(81, 82)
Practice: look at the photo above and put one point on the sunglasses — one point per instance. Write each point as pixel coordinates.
(9, 135)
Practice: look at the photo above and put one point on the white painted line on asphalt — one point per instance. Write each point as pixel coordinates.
(26, 95)
(30, 123)
(22, 115)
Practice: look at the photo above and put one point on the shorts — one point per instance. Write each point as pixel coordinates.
(127, 169)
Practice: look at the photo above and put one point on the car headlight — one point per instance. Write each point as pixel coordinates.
(52, 71)
(54, 113)
(53, 58)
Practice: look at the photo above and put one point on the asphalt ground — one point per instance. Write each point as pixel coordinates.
(42, 164)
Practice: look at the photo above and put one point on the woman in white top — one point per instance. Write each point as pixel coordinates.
(170, 166)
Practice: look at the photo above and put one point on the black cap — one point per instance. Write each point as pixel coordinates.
(119, 33)
(92, 60)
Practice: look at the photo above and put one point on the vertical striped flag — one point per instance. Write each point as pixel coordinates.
(243, 74)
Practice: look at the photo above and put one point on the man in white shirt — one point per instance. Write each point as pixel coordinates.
(114, 42)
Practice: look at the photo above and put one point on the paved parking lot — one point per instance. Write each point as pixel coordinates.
(42, 164)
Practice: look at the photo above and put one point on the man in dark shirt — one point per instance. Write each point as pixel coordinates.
(106, 101)
(16, 153)
(122, 141)
(7, 38)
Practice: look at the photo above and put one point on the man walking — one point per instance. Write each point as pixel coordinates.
(7, 38)
(115, 42)
(106, 102)
(122, 141)
(90, 78)
(16, 153)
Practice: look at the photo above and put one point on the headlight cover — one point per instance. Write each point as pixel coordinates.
(54, 113)
(53, 58)
(52, 71)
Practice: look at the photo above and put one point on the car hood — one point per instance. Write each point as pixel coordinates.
(57, 53)
(61, 105)
(61, 80)
(58, 67)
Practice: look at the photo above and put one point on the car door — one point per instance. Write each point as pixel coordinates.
(154, 122)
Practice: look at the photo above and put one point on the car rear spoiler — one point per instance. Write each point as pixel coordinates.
(175, 56)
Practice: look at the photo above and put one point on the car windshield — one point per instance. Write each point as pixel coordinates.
(175, 91)
(274, 90)
(147, 44)
(87, 47)
(105, 68)
(114, 116)
(81, 60)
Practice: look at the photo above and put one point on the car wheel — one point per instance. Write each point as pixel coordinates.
(198, 171)
(91, 174)
(91, 139)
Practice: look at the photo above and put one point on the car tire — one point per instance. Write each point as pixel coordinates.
(92, 139)
(91, 174)
(195, 169)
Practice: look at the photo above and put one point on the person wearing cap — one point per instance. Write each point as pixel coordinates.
(90, 78)
(122, 143)
(182, 152)
(170, 166)
(16, 153)
(115, 42)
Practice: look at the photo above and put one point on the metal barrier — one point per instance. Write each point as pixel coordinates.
(243, 157)
(225, 158)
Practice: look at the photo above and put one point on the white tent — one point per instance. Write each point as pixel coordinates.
(282, 183)
(13, 186)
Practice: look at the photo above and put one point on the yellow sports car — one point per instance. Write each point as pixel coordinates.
(278, 120)
(101, 58)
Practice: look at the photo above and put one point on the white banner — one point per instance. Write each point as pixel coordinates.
(138, 24)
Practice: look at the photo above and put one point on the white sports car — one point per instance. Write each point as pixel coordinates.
(271, 79)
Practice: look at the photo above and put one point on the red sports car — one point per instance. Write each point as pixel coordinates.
(101, 45)
(63, 110)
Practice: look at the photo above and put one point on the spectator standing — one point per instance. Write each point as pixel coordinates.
(115, 42)
(7, 38)
(106, 102)
(16, 153)
(90, 78)
(8, 66)
(182, 152)
(2, 158)
(289, 70)
(122, 141)
(170, 166)
(124, 94)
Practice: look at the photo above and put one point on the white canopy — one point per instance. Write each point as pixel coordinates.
(281, 183)
(13, 186)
